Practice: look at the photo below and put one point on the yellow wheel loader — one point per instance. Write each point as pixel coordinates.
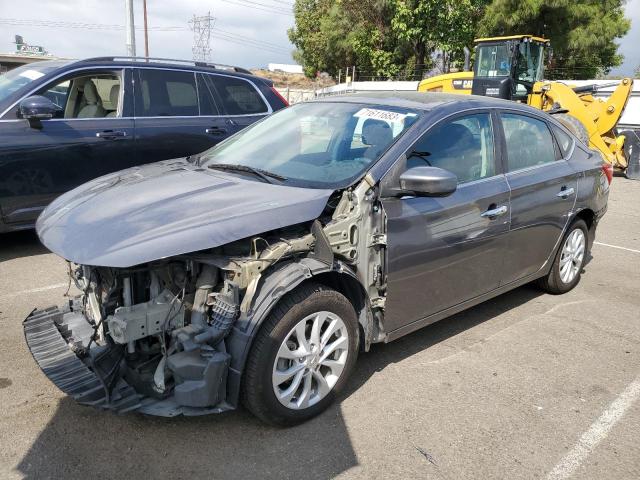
(512, 68)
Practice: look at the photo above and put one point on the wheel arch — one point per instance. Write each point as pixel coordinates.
(589, 217)
(270, 291)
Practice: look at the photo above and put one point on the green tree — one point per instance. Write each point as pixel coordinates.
(429, 25)
(582, 32)
(383, 38)
(333, 34)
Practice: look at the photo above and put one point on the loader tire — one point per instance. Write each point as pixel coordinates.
(575, 126)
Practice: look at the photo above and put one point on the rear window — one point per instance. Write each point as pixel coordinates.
(529, 141)
(166, 93)
(238, 96)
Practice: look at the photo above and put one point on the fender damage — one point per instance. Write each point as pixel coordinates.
(166, 329)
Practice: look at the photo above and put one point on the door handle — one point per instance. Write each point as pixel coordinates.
(565, 192)
(111, 134)
(215, 131)
(495, 212)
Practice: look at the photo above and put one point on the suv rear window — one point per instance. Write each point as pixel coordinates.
(238, 96)
(166, 93)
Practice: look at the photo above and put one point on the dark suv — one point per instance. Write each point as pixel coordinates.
(63, 123)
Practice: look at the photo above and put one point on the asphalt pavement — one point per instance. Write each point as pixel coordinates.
(527, 385)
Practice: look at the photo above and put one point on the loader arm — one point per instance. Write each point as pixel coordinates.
(599, 117)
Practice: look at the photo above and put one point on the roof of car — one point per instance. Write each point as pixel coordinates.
(175, 64)
(425, 100)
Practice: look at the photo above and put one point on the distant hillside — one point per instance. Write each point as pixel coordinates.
(293, 80)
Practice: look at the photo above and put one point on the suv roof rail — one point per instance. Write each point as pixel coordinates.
(218, 66)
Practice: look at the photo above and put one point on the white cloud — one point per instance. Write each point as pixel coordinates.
(259, 26)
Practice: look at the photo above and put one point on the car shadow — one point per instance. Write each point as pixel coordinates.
(80, 442)
(383, 355)
(24, 243)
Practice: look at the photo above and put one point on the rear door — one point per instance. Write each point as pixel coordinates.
(543, 192)
(168, 119)
(240, 100)
(92, 136)
(444, 251)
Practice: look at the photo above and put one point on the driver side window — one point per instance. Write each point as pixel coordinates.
(463, 146)
(86, 96)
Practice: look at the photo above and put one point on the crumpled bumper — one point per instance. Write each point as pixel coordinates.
(49, 333)
(90, 380)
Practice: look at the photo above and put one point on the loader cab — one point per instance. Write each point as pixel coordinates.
(508, 67)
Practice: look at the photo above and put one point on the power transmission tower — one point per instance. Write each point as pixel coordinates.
(201, 27)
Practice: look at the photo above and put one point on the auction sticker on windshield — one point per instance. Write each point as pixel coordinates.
(380, 114)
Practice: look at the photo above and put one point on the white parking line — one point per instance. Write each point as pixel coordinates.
(598, 432)
(35, 290)
(616, 246)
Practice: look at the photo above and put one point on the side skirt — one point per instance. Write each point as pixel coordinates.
(412, 327)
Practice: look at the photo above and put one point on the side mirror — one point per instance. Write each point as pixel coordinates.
(38, 107)
(428, 182)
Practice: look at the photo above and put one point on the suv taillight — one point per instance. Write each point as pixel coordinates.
(607, 169)
(277, 94)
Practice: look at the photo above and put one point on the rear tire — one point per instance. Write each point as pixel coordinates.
(287, 343)
(567, 267)
(575, 126)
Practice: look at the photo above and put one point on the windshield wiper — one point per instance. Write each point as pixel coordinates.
(258, 172)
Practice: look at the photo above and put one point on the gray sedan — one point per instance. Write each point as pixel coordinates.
(257, 271)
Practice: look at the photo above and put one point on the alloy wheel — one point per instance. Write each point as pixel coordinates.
(310, 360)
(572, 255)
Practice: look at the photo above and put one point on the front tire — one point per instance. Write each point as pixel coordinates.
(567, 267)
(301, 357)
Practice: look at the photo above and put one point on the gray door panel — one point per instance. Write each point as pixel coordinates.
(538, 215)
(442, 251)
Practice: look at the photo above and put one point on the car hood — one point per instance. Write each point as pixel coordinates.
(166, 209)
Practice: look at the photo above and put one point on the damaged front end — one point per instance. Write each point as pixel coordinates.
(149, 338)
(155, 337)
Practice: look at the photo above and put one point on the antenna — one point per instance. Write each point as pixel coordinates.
(201, 27)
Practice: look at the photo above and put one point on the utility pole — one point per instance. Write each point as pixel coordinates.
(201, 27)
(146, 29)
(130, 28)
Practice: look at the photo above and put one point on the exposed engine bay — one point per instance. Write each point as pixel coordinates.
(160, 331)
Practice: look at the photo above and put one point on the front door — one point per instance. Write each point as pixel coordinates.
(90, 137)
(444, 251)
(543, 192)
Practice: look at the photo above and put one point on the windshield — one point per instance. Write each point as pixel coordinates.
(17, 78)
(318, 145)
(494, 60)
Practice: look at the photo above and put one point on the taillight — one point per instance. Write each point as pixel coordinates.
(607, 169)
(277, 94)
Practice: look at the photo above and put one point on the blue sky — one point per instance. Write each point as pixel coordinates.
(246, 34)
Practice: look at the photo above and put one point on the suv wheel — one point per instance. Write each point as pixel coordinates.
(302, 356)
(567, 266)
